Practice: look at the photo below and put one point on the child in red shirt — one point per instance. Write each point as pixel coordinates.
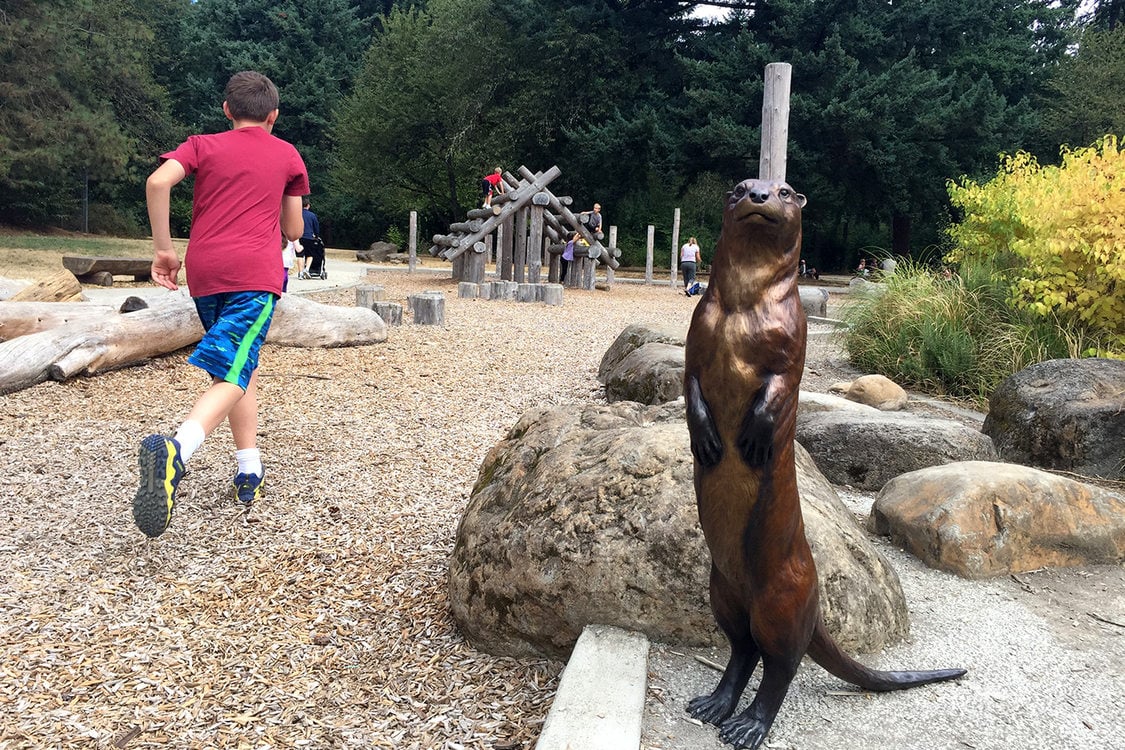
(248, 189)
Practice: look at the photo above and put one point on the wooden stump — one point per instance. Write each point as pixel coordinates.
(525, 292)
(390, 312)
(553, 294)
(468, 290)
(486, 290)
(427, 308)
(366, 295)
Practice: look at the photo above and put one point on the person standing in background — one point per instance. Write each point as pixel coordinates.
(690, 255)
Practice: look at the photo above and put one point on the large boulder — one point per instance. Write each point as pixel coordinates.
(811, 402)
(652, 374)
(586, 514)
(979, 519)
(867, 450)
(1062, 414)
(634, 337)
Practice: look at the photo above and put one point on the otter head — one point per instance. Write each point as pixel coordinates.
(764, 207)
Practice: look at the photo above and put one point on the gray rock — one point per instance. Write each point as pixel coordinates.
(811, 402)
(1062, 414)
(814, 300)
(867, 450)
(634, 337)
(652, 374)
(979, 519)
(377, 252)
(586, 514)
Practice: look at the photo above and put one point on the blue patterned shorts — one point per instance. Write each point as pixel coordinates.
(236, 324)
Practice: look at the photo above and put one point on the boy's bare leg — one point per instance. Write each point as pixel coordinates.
(243, 416)
(217, 402)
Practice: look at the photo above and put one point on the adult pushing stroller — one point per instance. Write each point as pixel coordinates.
(314, 257)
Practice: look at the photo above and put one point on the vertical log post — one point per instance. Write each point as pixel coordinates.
(535, 240)
(609, 269)
(648, 253)
(366, 295)
(474, 263)
(775, 121)
(675, 245)
(427, 308)
(507, 235)
(412, 261)
(519, 249)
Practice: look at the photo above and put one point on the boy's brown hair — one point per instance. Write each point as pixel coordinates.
(250, 96)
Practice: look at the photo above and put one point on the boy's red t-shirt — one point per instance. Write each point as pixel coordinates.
(240, 178)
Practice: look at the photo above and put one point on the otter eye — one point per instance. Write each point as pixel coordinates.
(785, 192)
(740, 192)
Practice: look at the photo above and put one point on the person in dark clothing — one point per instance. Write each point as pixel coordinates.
(312, 247)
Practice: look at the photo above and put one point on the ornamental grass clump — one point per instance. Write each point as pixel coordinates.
(957, 337)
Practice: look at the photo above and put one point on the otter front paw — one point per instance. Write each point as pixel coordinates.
(706, 445)
(755, 440)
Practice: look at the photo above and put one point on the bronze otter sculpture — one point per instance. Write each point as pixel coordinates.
(744, 359)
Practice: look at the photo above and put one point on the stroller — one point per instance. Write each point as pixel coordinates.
(314, 255)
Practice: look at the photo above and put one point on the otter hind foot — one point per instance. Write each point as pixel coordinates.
(713, 708)
(744, 731)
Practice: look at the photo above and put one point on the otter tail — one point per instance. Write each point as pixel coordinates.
(827, 654)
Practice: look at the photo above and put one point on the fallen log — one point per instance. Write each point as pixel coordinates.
(23, 318)
(58, 287)
(94, 344)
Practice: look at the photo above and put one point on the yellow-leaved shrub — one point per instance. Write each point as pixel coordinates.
(1059, 233)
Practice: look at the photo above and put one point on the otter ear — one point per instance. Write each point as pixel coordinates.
(800, 199)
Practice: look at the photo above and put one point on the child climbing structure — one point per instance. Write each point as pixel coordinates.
(526, 227)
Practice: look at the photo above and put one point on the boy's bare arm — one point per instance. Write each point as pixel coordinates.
(158, 192)
(292, 221)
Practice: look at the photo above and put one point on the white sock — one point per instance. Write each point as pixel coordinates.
(190, 436)
(249, 461)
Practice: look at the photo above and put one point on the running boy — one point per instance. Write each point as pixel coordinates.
(247, 182)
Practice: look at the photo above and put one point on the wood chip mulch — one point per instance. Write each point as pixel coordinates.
(320, 617)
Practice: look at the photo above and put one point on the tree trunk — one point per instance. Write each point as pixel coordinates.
(900, 235)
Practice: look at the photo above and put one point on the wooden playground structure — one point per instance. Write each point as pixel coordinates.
(525, 231)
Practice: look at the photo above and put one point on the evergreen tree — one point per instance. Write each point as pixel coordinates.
(1084, 99)
(425, 123)
(311, 49)
(81, 111)
(889, 100)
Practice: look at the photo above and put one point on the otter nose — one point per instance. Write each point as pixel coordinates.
(759, 194)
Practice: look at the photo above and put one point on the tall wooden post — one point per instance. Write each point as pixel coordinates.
(648, 253)
(675, 245)
(413, 259)
(609, 269)
(775, 121)
(507, 239)
(535, 241)
(519, 249)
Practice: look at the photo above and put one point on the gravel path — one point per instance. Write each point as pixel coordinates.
(320, 618)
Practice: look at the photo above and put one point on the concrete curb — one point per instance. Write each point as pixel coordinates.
(600, 702)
